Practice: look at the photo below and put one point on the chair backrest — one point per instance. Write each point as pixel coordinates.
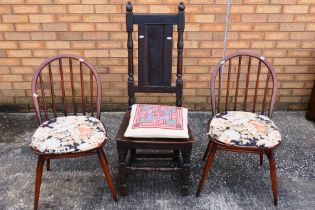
(155, 40)
(65, 83)
(245, 77)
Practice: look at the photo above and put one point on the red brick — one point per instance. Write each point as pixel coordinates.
(6, 27)
(27, 27)
(14, 18)
(41, 18)
(295, 8)
(17, 36)
(82, 27)
(280, 18)
(104, 9)
(254, 18)
(202, 18)
(242, 9)
(53, 8)
(302, 36)
(26, 9)
(19, 53)
(81, 9)
(268, 9)
(304, 18)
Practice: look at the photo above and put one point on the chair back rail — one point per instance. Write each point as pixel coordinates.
(251, 89)
(155, 39)
(57, 78)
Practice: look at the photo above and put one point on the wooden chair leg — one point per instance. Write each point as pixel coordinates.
(39, 173)
(207, 168)
(104, 165)
(261, 157)
(133, 155)
(122, 172)
(186, 170)
(273, 175)
(176, 155)
(48, 164)
(207, 150)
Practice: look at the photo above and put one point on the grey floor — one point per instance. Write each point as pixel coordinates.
(236, 181)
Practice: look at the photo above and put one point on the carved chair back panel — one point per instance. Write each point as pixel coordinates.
(155, 43)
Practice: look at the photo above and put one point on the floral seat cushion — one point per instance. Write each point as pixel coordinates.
(157, 121)
(244, 129)
(68, 134)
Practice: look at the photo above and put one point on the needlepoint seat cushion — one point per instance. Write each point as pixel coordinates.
(157, 121)
(244, 129)
(68, 135)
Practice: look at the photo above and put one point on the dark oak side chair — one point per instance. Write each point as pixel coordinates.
(154, 76)
(241, 131)
(67, 136)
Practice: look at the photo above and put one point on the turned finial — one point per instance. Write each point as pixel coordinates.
(181, 6)
(129, 7)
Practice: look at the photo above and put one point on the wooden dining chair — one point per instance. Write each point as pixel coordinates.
(154, 76)
(246, 82)
(67, 91)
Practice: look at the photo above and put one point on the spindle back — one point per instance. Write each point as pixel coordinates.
(244, 77)
(65, 84)
(155, 39)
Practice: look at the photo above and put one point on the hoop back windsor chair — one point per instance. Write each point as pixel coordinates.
(250, 92)
(50, 95)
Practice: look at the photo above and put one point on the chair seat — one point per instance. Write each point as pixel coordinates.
(157, 121)
(244, 129)
(68, 135)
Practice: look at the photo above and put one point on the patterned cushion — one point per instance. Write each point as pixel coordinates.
(68, 134)
(156, 121)
(244, 129)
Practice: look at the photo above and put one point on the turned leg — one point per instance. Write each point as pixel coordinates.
(176, 155)
(186, 170)
(261, 157)
(104, 166)
(273, 175)
(48, 164)
(122, 172)
(207, 168)
(207, 150)
(39, 173)
(133, 155)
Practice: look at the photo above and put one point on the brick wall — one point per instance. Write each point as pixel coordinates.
(32, 30)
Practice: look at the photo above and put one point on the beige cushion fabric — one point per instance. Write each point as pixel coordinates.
(244, 129)
(68, 134)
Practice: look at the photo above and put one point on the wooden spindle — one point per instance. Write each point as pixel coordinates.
(129, 27)
(266, 93)
(180, 45)
(52, 92)
(82, 88)
(247, 82)
(72, 87)
(43, 95)
(91, 93)
(63, 88)
(219, 91)
(237, 81)
(228, 87)
(257, 85)
(269, 108)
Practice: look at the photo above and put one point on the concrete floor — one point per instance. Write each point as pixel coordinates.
(236, 181)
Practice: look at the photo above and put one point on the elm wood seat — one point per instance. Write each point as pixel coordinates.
(155, 66)
(60, 135)
(241, 131)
